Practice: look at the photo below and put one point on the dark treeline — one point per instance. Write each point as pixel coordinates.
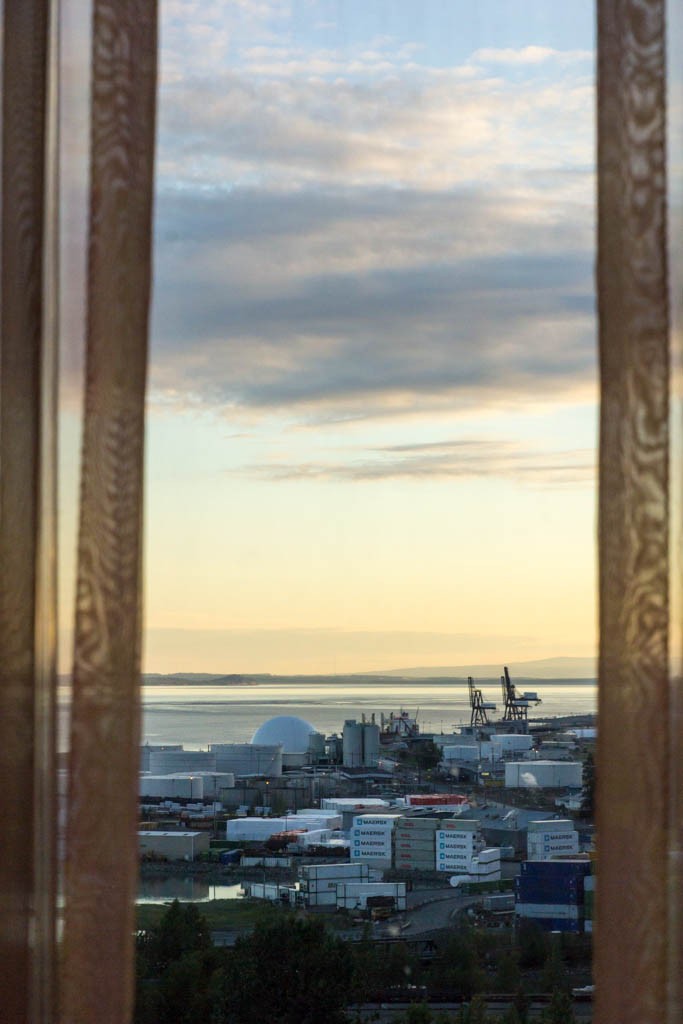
(294, 970)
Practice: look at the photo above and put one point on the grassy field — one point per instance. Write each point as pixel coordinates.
(221, 915)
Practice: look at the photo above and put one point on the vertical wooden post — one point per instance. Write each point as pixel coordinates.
(633, 765)
(27, 434)
(102, 853)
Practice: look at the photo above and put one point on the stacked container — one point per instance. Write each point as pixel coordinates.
(414, 843)
(552, 893)
(485, 866)
(319, 881)
(371, 838)
(458, 841)
(548, 839)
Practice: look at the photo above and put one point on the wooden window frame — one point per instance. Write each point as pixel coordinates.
(639, 926)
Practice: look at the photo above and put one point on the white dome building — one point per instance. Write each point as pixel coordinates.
(293, 733)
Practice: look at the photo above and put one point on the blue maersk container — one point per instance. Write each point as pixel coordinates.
(549, 881)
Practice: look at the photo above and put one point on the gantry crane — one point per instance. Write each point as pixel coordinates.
(516, 707)
(478, 705)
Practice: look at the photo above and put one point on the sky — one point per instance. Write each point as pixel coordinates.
(372, 402)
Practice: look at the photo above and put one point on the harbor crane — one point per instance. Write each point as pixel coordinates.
(478, 705)
(516, 706)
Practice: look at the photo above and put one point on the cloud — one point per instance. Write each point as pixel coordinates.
(358, 303)
(530, 55)
(344, 235)
(444, 460)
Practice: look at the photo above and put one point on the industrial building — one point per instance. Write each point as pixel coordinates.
(543, 774)
(181, 845)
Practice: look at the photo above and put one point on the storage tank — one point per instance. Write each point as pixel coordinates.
(352, 744)
(166, 762)
(370, 744)
(316, 747)
(169, 787)
(149, 748)
(248, 758)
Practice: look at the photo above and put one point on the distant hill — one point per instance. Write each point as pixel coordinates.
(543, 668)
(194, 679)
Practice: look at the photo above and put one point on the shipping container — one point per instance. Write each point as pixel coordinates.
(556, 824)
(436, 800)
(459, 825)
(405, 821)
(558, 910)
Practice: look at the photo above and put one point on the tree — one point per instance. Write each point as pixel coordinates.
(477, 1012)
(555, 977)
(560, 1009)
(460, 967)
(288, 971)
(532, 944)
(418, 1014)
(174, 963)
(181, 930)
(507, 978)
(511, 1016)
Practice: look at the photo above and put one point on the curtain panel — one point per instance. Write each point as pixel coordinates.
(640, 893)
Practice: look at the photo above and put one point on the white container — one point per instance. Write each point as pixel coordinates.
(556, 824)
(342, 870)
(361, 805)
(543, 774)
(375, 820)
(460, 825)
(561, 911)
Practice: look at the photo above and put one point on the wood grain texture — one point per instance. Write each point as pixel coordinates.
(102, 854)
(23, 133)
(634, 810)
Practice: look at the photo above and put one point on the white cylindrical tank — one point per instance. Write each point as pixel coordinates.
(149, 748)
(316, 746)
(248, 758)
(166, 762)
(370, 744)
(352, 744)
(169, 787)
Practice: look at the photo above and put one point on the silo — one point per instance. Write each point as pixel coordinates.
(316, 747)
(149, 748)
(370, 744)
(352, 744)
(166, 762)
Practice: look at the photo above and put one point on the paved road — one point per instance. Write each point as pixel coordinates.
(427, 911)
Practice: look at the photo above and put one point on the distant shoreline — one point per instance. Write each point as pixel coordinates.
(376, 680)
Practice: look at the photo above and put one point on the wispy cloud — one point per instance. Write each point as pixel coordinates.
(445, 460)
(525, 56)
